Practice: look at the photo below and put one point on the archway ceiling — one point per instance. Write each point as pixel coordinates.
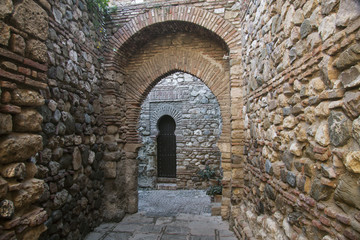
(144, 36)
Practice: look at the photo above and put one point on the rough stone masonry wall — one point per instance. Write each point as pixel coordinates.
(50, 130)
(301, 70)
(198, 124)
(72, 123)
(23, 80)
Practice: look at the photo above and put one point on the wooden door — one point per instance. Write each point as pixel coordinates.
(166, 147)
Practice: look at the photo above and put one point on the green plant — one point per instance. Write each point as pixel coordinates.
(101, 4)
(214, 190)
(206, 173)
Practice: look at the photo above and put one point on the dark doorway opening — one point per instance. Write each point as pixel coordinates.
(166, 147)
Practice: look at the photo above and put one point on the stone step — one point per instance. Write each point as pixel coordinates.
(215, 209)
(166, 186)
(166, 180)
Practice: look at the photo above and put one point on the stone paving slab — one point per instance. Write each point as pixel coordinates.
(183, 225)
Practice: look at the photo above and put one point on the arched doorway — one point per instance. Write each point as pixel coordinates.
(166, 147)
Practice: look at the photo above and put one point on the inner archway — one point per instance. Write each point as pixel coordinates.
(196, 112)
(166, 147)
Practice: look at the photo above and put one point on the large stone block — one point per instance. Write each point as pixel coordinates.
(76, 159)
(17, 44)
(319, 191)
(322, 136)
(3, 188)
(348, 10)
(4, 34)
(7, 209)
(29, 120)
(110, 170)
(349, 57)
(19, 147)
(25, 97)
(348, 190)
(14, 170)
(356, 130)
(339, 128)
(352, 104)
(6, 7)
(31, 18)
(36, 50)
(60, 198)
(351, 77)
(5, 123)
(352, 161)
(31, 191)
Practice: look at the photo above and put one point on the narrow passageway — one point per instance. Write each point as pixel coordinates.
(168, 215)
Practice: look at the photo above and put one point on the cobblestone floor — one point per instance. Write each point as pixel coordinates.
(167, 215)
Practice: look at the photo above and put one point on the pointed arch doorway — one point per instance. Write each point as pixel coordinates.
(166, 147)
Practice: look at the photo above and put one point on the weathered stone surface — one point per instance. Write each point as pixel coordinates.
(327, 6)
(19, 147)
(270, 192)
(352, 104)
(31, 191)
(7, 209)
(349, 57)
(351, 77)
(328, 172)
(60, 198)
(3, 188)
(5, 123)
(4, 34)
(327, 27)
(348, 190)
(268, 167)
(112, 156)
(17, 44)
(69, 122)
(110, 169)
(356, 130)
(305, 28)
(352, 161)
(31, 18)
(289, 122)
(322, 110)
(319, 191)
(339, 128)
(6, 7)
(36, 50)
(288, 159)
(296, 149)
(348, 10)
(76, 159)
(291, 179)
(28, 120)
(15, 170)
(24, 97)
(322, 135)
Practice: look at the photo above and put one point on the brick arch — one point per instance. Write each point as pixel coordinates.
(223, 77)
(144, 78)
(215, 24)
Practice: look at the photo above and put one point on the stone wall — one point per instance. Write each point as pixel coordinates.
(302, 99)
(23, 82)
(72, 123)
(198, 127)
(285, 74)
(51, 130)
